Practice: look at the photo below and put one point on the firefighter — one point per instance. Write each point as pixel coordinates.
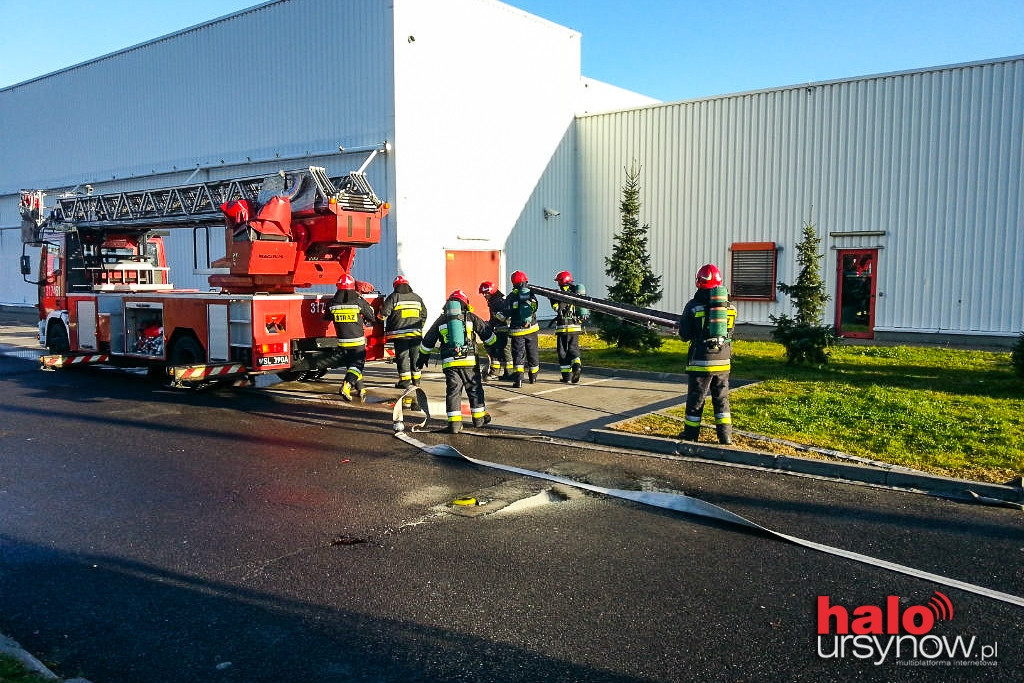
(706, 323)
(457, 328)
(500, 353)
(521, 307)
(568, 325)
(350, 311)
(404, 313)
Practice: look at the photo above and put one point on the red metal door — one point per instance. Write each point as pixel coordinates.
(465, 270)
(855, 291)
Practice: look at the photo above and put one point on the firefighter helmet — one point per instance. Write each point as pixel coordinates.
(708, 276)
(459, 295)
(564, 278)
(346, 281)
(399, 280)
(487, 287)
(519, 278)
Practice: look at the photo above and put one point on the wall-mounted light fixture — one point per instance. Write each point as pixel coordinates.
(551, 213)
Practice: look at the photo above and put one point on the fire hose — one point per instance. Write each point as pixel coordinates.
(677, 502)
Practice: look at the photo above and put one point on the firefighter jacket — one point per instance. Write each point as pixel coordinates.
(349, 310)
(403, 313)
(499, 316)
(452, 356)
(521, 309)
(567, 317)
(705, 357)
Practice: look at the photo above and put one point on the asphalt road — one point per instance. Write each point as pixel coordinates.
(157, 535)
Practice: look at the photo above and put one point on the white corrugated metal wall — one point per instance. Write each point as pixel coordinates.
(286, 79)
(933, 158)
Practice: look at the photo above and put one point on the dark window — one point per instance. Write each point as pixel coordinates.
(753, 271)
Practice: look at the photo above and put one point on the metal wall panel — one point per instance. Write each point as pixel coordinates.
(280, 81)
(933, 158)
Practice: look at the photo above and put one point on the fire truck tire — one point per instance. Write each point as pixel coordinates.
(187, 351)
(57, 338)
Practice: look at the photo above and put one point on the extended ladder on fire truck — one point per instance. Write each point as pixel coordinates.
(284, 231)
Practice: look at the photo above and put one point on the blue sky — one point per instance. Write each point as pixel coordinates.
(668, 49)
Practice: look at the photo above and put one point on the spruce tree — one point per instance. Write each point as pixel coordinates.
(629, 267)
(804, 337)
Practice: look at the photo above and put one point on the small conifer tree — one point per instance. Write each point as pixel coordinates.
(804, 337)
(629, 267)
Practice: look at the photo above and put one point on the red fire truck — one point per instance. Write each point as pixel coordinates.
(105, 294)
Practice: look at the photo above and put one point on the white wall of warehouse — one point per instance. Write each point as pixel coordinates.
(484, 95)
(931, 157)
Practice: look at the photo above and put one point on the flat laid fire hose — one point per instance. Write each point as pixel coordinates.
(678, 502)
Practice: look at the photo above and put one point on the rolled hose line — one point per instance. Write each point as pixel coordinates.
(680, 503)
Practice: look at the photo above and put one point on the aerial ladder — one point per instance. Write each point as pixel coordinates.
(105, 295)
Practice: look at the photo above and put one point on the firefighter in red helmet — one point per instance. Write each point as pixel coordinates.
(404, 314)
(500, 353)
(350, 311)
(521, 305)
(568, 324)
(707, 323)
(457, 328)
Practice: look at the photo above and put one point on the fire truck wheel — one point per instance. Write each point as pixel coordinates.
(57, 338)
(186, 351)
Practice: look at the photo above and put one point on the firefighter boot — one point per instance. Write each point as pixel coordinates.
(576, 369)
(455, 426)
(505, 374)
(565, 378)
(724, 434)
(533, 377)
(346, 391)
(403, 384)
(690, 433)
(517, 380)
(482, 420)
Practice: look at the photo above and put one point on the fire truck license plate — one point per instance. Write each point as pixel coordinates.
(272, 360)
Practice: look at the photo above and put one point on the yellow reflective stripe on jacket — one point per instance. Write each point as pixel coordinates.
(522, 331)
(467, 362)
(403, 333)
(361, 341)
(709, 366)
(571, 327)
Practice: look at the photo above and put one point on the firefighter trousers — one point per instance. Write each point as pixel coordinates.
(500, 353)
(353, 360)
(407, 353)
(700, 385)
(525, 353)
(461, 379)
(568, 347)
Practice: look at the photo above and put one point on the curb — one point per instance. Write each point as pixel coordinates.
(1011, 496)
